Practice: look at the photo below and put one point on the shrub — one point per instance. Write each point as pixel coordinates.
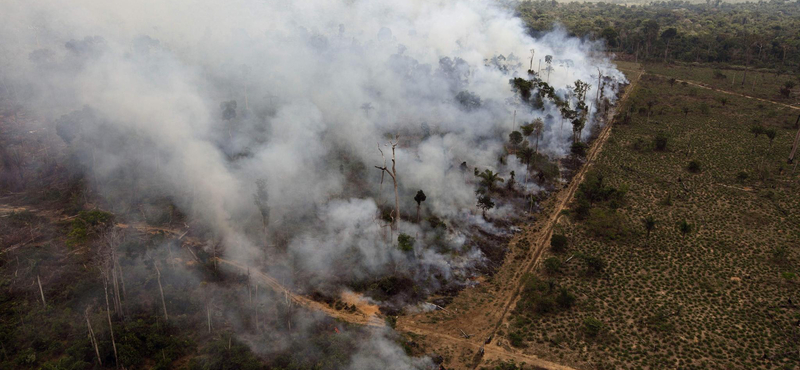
(694, 167)
(516, 339)
(741, 176)
(704, 108)
(552, 265)
(558, 243)
(592, 327)
(86, 224)
(405, 242)
(565, 299)
(660, 141)
(579, 149)
(594, 265)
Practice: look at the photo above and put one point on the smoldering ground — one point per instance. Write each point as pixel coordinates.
(261, 122)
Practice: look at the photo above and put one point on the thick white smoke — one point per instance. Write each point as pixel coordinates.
(317, 85)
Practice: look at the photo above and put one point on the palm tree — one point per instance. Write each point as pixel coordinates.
(488, 178)
(649, 225)
(538, 127)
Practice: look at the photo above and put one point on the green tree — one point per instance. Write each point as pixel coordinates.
(593, 327)
(485, 203)
(685, 228)
(489, 178)
(405, 242)
(756, 130)
(667, 36)
(552, 265)
(515, 138)
(558, 243)
(610, 35)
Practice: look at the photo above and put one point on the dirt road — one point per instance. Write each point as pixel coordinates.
(704, 86)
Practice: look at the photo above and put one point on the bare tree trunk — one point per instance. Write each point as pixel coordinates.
(92, 338)
(393, 174)
(122, 280)
(161, 289)
(110, 325)
(39, 281)
(115, 286)
(208, 314)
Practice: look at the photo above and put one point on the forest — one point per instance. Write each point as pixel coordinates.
(750, 34)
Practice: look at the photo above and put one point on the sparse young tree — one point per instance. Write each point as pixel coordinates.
(485, 203)
(756, 130)
(515, 138)
(419, 198)
(771, 134)
(534, 128)
(649, 223)
(685, 228)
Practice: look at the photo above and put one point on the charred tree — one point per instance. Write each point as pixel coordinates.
(393, 174)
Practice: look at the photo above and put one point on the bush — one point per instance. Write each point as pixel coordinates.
(741, 176)
(592, 327)
(694, 167)
(552, 265)
(594, 265)
(558, 243)
(565, 299)
(86, 224)
(660, 141)
(516, 339)
(405, 242)
(579, 149)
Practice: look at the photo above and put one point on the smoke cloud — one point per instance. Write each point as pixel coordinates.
(196, 102)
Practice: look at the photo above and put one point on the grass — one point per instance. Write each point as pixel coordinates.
(716, 296)
(767, 84)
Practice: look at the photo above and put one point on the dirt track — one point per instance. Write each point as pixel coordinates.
(704, 86)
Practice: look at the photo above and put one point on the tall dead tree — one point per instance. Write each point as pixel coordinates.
(108, 315)
(161, 289)
(796, 142)
(92, 337)
(393, 174)
(111, 239)
(41, 291)
(261, 198)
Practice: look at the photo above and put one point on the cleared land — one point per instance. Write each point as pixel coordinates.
(759, 84)
(719, 292)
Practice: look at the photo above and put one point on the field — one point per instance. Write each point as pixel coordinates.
(760, 84)
(715, 284)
